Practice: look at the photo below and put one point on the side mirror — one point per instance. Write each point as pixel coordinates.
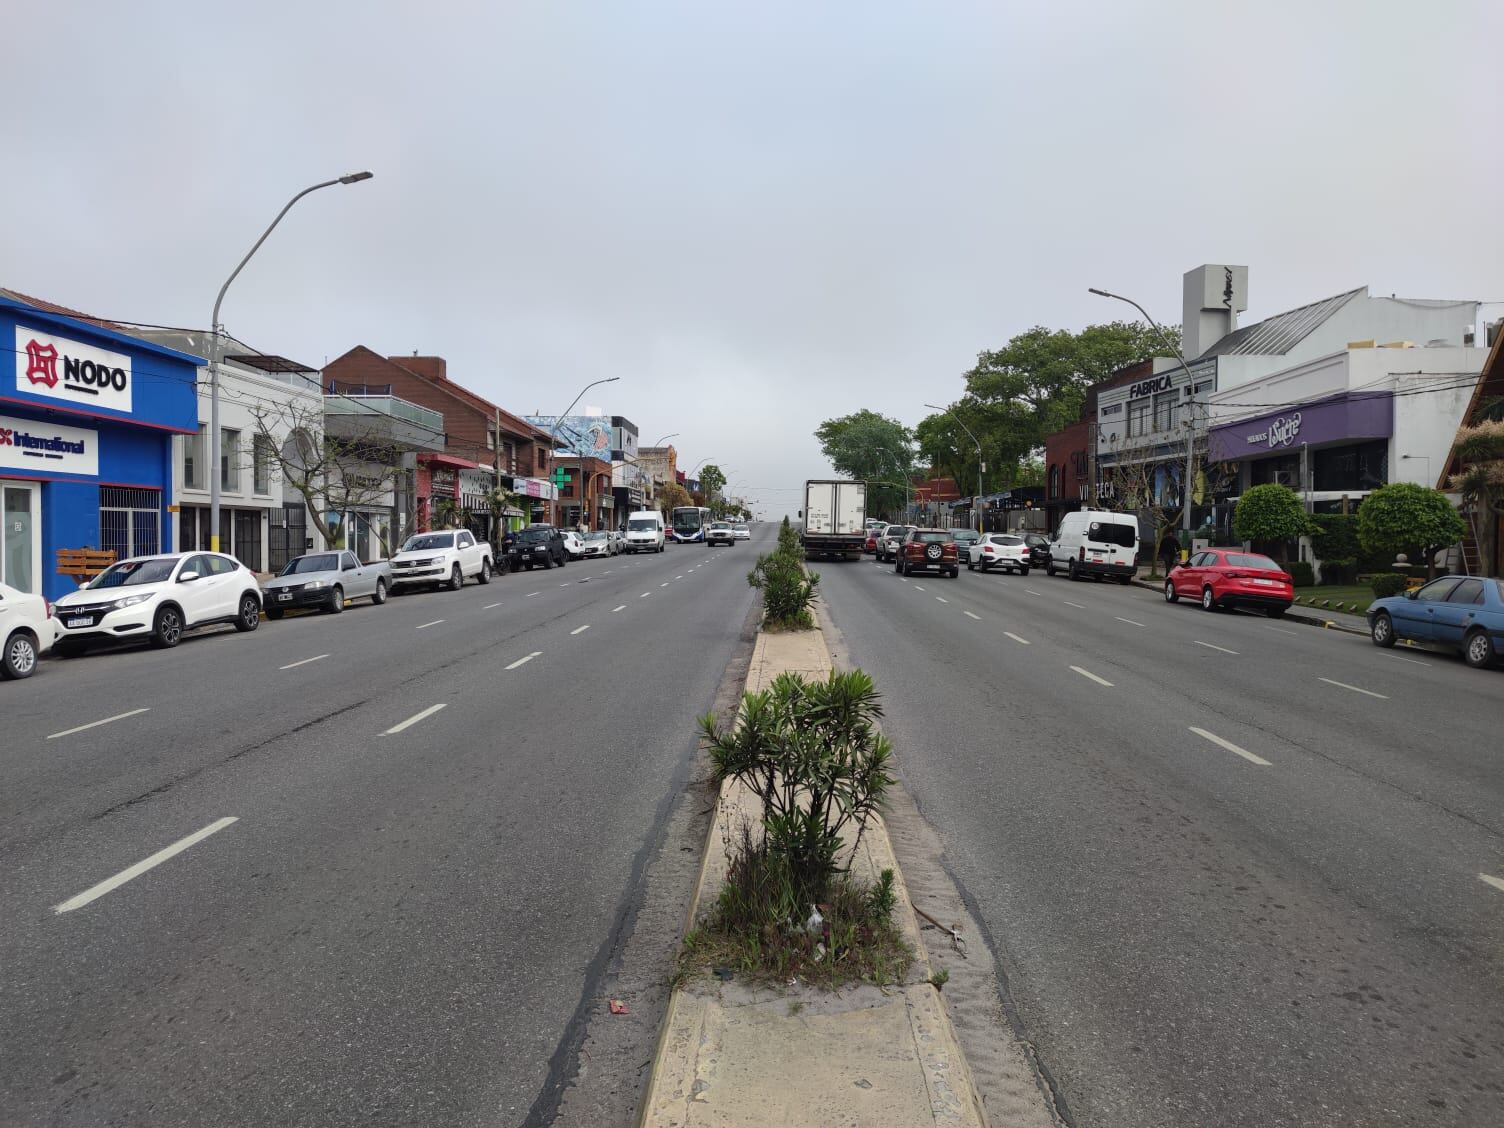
(1410, 594)
(185, 577)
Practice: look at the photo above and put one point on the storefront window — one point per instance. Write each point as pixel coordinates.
(1362, 466)
(194, 446)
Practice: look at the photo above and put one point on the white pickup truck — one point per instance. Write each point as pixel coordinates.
(447, 558)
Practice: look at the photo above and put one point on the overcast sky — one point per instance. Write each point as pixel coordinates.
(757, 215)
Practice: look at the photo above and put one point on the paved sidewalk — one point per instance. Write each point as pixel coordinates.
(737, 1054)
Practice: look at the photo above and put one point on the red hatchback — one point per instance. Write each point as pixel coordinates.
(1230, 577)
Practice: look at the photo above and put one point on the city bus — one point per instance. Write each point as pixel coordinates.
(687, 524)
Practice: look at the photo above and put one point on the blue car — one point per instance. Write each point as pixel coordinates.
(1463, 612)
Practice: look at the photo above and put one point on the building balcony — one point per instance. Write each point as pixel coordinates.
(382, 418)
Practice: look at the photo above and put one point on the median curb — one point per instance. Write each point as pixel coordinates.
(733, 1053)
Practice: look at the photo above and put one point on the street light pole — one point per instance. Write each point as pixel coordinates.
(1190, 441)
(559, 419)
(215, 349)
(981, 466)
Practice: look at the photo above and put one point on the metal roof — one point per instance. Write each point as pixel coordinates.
(1277, 335)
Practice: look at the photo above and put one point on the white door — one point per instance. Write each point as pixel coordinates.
(198, 596)
(20, 536)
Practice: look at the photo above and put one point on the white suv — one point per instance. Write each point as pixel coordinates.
(25, 632)
(157, 598)
(447, 557)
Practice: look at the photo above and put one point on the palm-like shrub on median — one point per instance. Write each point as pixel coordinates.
(788, 591)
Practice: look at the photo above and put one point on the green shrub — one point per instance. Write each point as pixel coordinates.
(788, 591)
(788, 541)
(1269, 512)
(1302, 573)
(1388, 583)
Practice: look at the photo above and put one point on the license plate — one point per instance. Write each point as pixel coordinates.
(80, 622)
(284, 595)
(1266, 583)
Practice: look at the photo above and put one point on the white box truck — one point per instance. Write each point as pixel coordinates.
(835, 519)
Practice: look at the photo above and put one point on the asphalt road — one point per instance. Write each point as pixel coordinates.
(441, 807)
(1230, 867)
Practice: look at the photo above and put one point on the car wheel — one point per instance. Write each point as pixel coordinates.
(955, 573)
(1049, 569)
(167, 628)
(248, 617)
(1024, 570)
(336, 600)
(1070, 571)
(1171, 595)
(380, 597)
(986, 567)
(1382, 630)
(1125, 580)
(274, 613)
(485, 572)
(971, 565)
(456, 580)
(19, 659)
(1478, 649)
(1208, 600)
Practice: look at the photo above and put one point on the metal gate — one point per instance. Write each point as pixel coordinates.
(130, 521)
(247, 542)
(287, 536)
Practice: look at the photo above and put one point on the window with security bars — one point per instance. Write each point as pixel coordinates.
(130, 521)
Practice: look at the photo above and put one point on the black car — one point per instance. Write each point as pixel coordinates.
(1039, 548)
(537, 546)
(964, 539)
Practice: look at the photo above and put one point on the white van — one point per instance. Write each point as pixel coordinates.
(644, 532)
(1094, 542)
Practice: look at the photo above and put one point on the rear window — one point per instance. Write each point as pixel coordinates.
(1007, 540)
(1245, 560)
(965, 535)
(1109, 532)
(931, 538)
(895, 530)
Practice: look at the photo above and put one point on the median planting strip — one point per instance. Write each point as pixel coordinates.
(93, 893)
(96, 724)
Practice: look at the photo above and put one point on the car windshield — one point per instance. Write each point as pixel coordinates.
(130, 573)
(740, 528)
(931, 538)
(721, 525)
(1248, 560)
(324, 562)
(1113, 532)
(533, 536)
(426, 541)
(642, 525)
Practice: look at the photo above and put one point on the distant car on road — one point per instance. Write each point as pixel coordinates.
(324, 580)
(928, 550)
(887, 544)
(1230, 577)
(1000, 550)
(644, 532)
(741, 532)
(1039, 548)
(447, 557)
(720, 534)
(964, 539)
(869, 546)
(574, 544)
(157, 598)
(537, 546)
(26, 631)
(595, 544)
(1462, 612)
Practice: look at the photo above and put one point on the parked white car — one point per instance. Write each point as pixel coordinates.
(26, 630)
(574, 544)
(157, 598)
(644, 532)
(599, 543)
(1000, 550)
(448, 557)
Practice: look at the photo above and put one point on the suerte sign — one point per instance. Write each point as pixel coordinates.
(75, 373)
(1280, 432)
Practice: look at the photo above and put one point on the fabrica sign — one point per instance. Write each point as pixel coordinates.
(1151, 386)
(1281, 432)
(45, 449)
(75, 373)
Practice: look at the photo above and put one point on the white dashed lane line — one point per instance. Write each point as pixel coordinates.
(968, 614)
(303, 662)
(1031, 591)
(425, 626)
(644, 595)
(414, 719)
(1068, 603)
(1209, 646)
(942, 599)
(530, 594)
(1281, 630)
(96, 724)
(580, 630)
(1412, 661)
(614, 610)
(1015, 638)
(919, 587)
(1355, 689)
(1489, 879)
(93, 893)
(1092, 676)
(665, 583)
(488, 606)
(1130, 622)
(1230, 746)
(524, 661)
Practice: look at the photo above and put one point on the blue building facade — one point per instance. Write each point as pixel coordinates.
(87, 419)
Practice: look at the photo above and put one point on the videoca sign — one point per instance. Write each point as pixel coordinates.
(70, 371)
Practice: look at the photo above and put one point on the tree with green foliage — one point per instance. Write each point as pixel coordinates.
(1404, 517)
(1270, 512)
(672, 497)
(874, 449)
(712, 480)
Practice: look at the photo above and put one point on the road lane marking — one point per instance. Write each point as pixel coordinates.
(1209, 646)
(1068, 603)
(488, 606)
(1281, 630)
(414, 719)
(93, 893)
(942, 599)
(580, 630)
(425, 626)
(96, 724)
(1231, 747)
(665, 583)
(1412, 661)
(566, 585)
(1354, 688)
(614, 610)
(1015, 638)
(304, 662)
(530, 594)
(644, 595)
(1130, 622)
(678, 577)
(524, 661)
(978, 618)
(1092, 676)
(1031, 591)
(1488, 879)
(919, 587)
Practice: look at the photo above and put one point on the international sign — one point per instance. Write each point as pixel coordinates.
(72, 372)
(45, 449)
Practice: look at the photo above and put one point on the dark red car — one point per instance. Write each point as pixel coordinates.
(870, 547)
(925, 550)
(1230, 577)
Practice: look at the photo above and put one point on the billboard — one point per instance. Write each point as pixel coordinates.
(582, 436)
